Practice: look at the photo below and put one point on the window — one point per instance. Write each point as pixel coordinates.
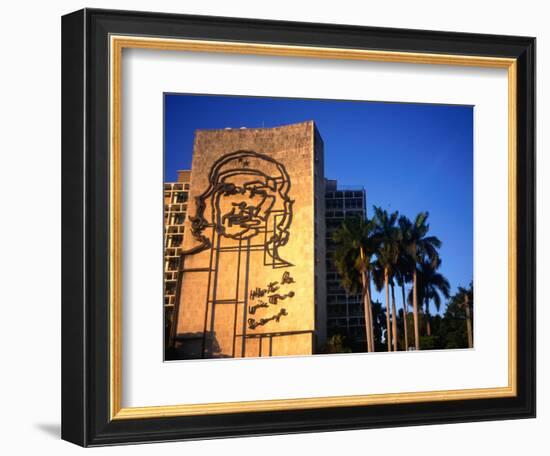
(173, 264)
(181, 197)
(170, 288)
(176, 241)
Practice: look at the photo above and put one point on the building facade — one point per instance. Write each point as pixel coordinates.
(251, 278)
(345, 312)
(176, 200)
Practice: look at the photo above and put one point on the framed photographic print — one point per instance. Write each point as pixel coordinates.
(278, 227)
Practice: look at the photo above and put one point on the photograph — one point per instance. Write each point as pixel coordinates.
(272, 226)
(297, 227)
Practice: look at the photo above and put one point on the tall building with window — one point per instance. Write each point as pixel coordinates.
(248, 247)
(251, 282)
(176, 195)
(345, 313)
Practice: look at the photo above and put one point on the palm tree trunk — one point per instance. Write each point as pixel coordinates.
(368, 325)
(428, 326)
(394, 318)
(405, 318)
(370, 314)
(468, 323)
(415, 312)
(388, 327)
(367, 305)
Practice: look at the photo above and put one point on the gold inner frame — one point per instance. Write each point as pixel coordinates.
(117, 44)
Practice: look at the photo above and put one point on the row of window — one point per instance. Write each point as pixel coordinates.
(174, 240)
(175, 219)
(345, 322)
(176, 197)
(333, 276)
(335, 288)
(176, 186)
(343, 299)
(344, 194)
(175, 209)
(354, 203)
(172, 252)
(175, 229)
(342, 214)
(355, 310)
(173, 264)
(169, 288)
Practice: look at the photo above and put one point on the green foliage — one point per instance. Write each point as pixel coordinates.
(431, 284)
(367, 248)
(379, 325)
(422, 319)
(336, 344)
(449, 331)
(429, 342)
(454, 327)
(355, 246)
(387, 238)
(418, 245)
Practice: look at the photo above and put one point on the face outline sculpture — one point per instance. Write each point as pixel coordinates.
(241, 219)
(246, 193)
(242, 203)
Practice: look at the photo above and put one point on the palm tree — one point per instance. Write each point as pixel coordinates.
(465, 297)
(418, 247)
(355, 247)
(387, 256)
(393, 315)
(404, 275)
(432, 285)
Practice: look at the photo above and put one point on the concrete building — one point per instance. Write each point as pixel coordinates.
(252, 274)
(176, 198)
(345, 312)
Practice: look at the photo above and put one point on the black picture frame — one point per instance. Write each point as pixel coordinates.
(85, 225)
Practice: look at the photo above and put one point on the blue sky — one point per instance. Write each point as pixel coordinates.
(409, 157)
